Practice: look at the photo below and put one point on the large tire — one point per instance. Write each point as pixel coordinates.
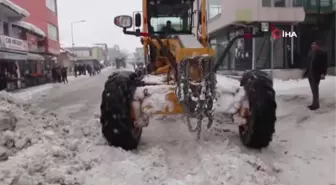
(116, 114)
(258, 131)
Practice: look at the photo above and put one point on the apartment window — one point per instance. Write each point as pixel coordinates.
(52, 32)
(19, 33)
(323, 3)
(266, 3)
(214, 10)
(51, 4)
(280, 3)
(214, 7)
(5, 28)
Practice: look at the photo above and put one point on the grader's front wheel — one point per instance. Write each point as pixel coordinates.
(116, 112)
(258, 131)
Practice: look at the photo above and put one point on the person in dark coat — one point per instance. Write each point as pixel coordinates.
(75, 70)
(64, 73)
(53, 74)
(316, 71)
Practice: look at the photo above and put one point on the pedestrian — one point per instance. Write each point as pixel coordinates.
(64, 75)
(3, 80)
(53, 74)
(75, 70)
(59, 74)
(316, 71)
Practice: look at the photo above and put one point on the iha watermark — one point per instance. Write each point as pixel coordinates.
(278, 33)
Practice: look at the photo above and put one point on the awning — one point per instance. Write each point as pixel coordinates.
(30, 27)
(14, 7)
(33, 56)
(13, 56)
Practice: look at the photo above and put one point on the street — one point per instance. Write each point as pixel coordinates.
(66, 147)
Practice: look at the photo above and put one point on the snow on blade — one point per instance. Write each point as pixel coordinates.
(157, 79)
(157, 101)
(229, 95)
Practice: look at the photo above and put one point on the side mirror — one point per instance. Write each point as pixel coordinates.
(137, 19)
(123, 21)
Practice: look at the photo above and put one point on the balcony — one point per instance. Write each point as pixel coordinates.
(12, 11)
(13, 44)
(316, 6)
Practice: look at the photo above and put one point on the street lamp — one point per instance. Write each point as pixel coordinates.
(72, 36)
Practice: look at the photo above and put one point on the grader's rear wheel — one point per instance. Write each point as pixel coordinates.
(258, 131)
(116, 111)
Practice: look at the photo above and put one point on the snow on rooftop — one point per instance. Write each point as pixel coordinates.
(30, 27)
(15, 7)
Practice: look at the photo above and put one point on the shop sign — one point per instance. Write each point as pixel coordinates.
(13, 43)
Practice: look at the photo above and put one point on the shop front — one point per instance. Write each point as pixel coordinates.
(33, 69)
(12, 52)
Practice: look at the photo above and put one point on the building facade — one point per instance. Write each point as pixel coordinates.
(66, 59)
(13, 50)
(310, 19)
(252, 53)
(43, 15)
(88, 55)
(27, 47)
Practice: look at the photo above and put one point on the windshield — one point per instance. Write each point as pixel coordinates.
(177, 24)
(170, 18)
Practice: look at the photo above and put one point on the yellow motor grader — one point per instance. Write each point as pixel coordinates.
(181, 79)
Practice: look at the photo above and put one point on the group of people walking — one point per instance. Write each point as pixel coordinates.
(82, 69)
(59, 74)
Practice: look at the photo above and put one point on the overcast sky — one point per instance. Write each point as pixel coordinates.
(99, 27)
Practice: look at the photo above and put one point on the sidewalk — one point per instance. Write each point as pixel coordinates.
(40, 90)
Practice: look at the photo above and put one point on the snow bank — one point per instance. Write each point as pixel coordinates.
(15, 7)
(285, 85)
(32, 92)
(36, 147)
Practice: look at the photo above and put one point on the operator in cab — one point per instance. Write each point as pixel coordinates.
(168, 29)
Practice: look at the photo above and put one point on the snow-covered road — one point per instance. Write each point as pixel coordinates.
(57, 141)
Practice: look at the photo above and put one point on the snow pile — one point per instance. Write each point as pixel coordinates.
(32, 92)
(15, 7)
(36, 147)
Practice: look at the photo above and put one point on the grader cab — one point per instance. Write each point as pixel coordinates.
(185, 67)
